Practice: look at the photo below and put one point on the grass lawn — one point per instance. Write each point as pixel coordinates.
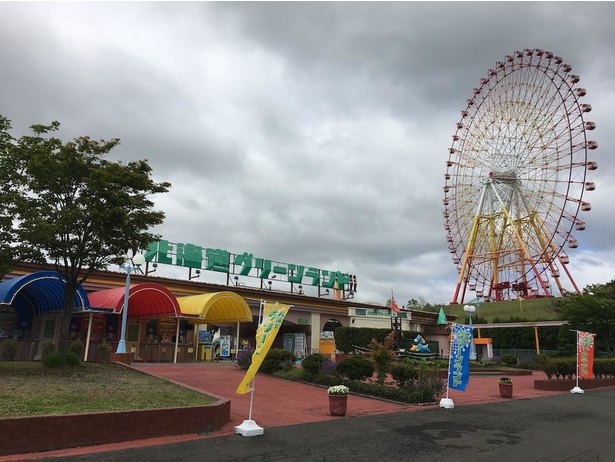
(30, 389)
(531, 309)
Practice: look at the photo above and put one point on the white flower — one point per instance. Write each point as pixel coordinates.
(338, 390)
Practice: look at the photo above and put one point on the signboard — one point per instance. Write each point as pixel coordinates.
(204, 336)
(300, 345)
(289, 342)
(245, 264)
(225, 347)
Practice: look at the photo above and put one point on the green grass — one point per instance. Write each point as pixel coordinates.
(30, 389)
(533, 309)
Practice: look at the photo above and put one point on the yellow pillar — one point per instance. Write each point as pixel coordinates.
(536, 337)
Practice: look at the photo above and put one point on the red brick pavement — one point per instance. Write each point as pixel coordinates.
(278, 402)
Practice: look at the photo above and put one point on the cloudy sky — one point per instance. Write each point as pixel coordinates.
(309, 133)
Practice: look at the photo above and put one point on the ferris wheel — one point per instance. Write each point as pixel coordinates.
(515, 179)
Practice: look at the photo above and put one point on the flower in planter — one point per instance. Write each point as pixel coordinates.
(505, 381)
(338, 390)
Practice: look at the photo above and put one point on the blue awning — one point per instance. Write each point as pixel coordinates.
(40, 292)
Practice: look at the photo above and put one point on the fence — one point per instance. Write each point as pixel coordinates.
(520, 353)
(27, 350)
(530, 354)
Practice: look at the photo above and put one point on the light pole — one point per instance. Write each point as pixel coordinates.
(129, 266)
(470, 309)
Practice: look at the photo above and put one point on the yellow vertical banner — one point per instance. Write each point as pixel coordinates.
(273, 315)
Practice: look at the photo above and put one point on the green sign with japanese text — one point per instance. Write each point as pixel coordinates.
(244, 264)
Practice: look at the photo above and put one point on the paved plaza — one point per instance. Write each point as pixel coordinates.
(533, 425)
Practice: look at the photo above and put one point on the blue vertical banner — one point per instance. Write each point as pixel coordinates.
(459, 365)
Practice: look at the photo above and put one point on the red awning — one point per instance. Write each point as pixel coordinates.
(145, 300)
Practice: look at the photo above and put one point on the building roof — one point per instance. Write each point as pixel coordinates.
(40, 292)
(218, 307)
(144, 300)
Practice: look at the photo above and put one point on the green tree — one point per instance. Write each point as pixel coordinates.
(594, 311)
(7, 237)
(76, 209)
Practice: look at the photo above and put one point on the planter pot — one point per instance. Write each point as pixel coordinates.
(337, 404)
(506, 390)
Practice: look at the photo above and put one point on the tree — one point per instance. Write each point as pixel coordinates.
(594, 311)
(76, 209)
(8, 251)
(11, 251)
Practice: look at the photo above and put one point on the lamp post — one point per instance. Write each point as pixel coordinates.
(129, 266)
(470, 309)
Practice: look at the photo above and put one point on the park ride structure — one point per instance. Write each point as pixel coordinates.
(516, 177)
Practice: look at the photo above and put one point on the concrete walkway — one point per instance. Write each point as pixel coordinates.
(279, 403)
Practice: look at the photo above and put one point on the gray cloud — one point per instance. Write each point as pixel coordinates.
(314, 133)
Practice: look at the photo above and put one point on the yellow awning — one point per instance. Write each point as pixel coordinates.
(217, 307)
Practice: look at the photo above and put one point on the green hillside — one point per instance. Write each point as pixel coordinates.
(534, 309)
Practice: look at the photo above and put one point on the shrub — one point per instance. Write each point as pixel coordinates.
(278, 360)
(604, 368)
(559, 367)
(565, 367)
(403, 372)
(548, 368)
(528, 364)
(104, 351)
(382, 355)
(56, 359)
(542, 359)
(312, 364)
(48, 348)
(77, 348)
(328, 367)
(425, 389)
(244, 357)
(9, 349)
(509, 360)
(347, 337)
(356, 367)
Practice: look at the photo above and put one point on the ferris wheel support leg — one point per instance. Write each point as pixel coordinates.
(574, 284)
(455, 302)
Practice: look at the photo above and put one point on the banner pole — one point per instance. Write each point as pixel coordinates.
(577, 389)
(260, 319)
(448, 403)
(249, 427)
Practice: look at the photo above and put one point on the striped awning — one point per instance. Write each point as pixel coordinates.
(40, 292)
(216, 307)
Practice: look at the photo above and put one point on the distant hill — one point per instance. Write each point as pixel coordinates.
(532, 309)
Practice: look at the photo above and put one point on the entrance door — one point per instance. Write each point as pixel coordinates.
(49, 326)
(132, 338)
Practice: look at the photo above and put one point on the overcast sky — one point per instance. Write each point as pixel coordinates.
(307, 133)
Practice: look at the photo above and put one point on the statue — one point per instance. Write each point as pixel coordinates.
(419, 345)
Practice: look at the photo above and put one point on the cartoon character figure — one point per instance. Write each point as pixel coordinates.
(420, 345)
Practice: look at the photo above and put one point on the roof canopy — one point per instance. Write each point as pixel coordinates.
(144, 300)
(155, 300)
(40, 292)
(217, 307)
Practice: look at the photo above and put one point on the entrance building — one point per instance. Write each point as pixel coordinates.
(171, 320)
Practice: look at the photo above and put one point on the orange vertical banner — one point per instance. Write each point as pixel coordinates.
(585, 355)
